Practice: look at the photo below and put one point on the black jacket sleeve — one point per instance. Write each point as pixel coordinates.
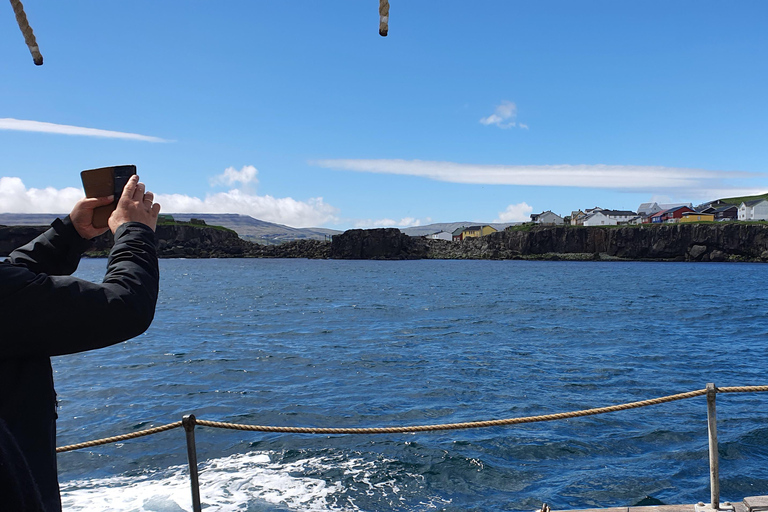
(49, 315)
(55, 252)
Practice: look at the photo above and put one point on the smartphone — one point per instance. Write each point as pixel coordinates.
(106, 181)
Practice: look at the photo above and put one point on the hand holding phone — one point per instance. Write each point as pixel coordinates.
(103, 182)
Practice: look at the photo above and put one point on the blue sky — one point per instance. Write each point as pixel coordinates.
(300, 113)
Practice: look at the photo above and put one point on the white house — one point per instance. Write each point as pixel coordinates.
(441, 235)
(609, 217)
(754, 210)
(547, 218)
(648, 209)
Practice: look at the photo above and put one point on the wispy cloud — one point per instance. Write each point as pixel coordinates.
(504, 116)
(520, 212)
(653, 179)
(22, 125)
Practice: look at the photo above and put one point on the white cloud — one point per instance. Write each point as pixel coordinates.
(520, 212)
(243, 200)
(653, 179)
(405, 222)
(281, 210)
(22, 125)
(231, 176)
(15, 197)
(504, 116)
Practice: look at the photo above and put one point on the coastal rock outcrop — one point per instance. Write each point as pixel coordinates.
(377, 244)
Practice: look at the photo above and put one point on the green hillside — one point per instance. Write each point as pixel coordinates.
(738, 200)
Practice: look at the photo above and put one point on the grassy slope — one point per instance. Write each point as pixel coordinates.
(738, 200)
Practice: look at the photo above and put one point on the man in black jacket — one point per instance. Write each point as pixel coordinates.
(45, 312)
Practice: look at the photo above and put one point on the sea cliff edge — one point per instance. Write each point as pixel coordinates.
(670, 242)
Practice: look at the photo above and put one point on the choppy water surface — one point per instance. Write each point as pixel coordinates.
(366, 343)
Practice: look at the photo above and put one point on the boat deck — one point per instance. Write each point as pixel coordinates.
(749, 504)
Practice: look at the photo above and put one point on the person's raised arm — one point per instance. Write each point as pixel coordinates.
(58, 250)
(62, 315)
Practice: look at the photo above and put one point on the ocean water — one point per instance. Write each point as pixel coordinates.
(371, 343)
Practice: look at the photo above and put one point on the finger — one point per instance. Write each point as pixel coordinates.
(130, 187)
(155, 209)
(138, 194)
(149, 196)
(89, 203)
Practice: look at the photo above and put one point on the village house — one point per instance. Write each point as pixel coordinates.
(477, 231)
(457, 234)
(722, 212)
(754, 210)
(440, 235)
(697, 217)
(577, 218)
(670, 215)
(609, 218)
(648, 209)
(547, 218)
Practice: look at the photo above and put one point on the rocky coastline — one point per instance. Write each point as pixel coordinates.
(670, 242)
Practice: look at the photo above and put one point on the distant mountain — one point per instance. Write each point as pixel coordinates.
(246, 227)
(450, 227)
(29, 219)
(256, 230)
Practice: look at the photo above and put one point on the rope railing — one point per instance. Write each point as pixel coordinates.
(189, 422)
(117, 439)
(412, 428)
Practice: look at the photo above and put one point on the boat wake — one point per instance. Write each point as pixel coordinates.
(250, 482)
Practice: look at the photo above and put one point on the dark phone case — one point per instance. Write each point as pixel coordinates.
(106, 181)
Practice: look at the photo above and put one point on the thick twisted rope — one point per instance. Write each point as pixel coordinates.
(383, 17)
(454, 426)
(117, 439)
(417, 428)
(26, 30)
(742, 389)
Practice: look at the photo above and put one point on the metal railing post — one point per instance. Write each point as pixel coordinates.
(189, 426)
(714, 469)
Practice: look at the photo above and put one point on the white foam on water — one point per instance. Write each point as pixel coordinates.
(246, 481)
(226, 484)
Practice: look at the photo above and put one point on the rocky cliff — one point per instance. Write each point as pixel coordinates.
(670, 242)
(183, 241)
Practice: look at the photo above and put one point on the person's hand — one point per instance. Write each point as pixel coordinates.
(135, 205)
(82, 216)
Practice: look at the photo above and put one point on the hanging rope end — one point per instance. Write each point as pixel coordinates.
(383, 17)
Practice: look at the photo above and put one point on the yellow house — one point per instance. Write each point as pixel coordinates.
(697, 217)
(476, 231)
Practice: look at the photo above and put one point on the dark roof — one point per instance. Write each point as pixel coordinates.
(615, 213)
(754, 202)
(676, 208)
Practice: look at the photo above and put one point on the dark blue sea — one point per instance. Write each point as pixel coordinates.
(369, 343)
